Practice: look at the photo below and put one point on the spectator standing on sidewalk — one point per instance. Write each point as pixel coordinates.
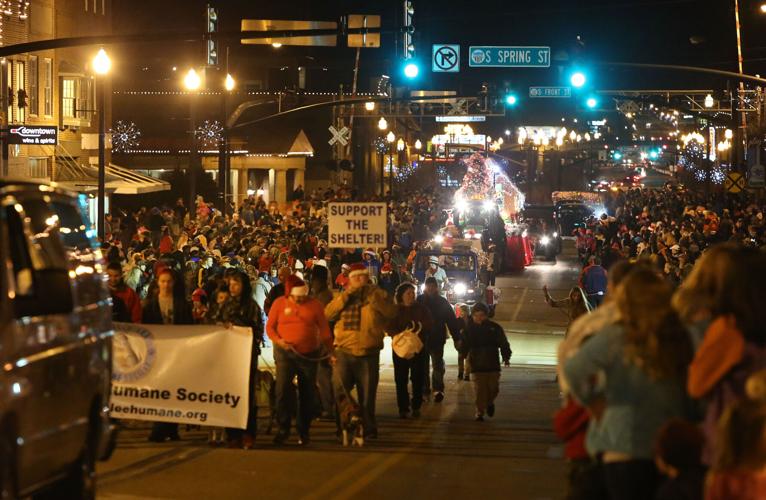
(123, 292)
(360, 312)
(298, 328)
(644, 359)
(485, 341)
(410, 314)
(444, 319)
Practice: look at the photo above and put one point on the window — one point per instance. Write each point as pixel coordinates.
(68, 97)
(19, 89)
(38, 168)
(85, 104)
(34, 104)
(48, 75)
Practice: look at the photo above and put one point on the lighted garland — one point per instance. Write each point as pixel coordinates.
(210, 133)
(125, 136)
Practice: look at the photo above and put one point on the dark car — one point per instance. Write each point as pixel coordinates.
(543, 230)
(571, 216)
(55, 345)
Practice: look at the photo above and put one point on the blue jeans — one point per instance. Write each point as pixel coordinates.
(362, 372)
(289, 365)
(434, 357)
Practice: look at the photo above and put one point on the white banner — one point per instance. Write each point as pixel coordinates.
(356, 225)
(191, 374)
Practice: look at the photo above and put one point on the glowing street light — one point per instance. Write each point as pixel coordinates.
(229, 82)
(418, 144)
(192, 81)
(400, 144)
(507, 133)
(763, 8)
(390, 137)
(382, 124)
(728, 133)
(709, 101)
(101, 63)
(369, 106)
(276, 45)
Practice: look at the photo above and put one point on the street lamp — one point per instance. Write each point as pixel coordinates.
(400, 144)
(192, 83)
(382, 124)
(369, 106)
(709, 101)
(223, 147)
(101, 65)
(390, 137)
(418, 144)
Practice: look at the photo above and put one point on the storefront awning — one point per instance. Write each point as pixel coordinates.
(119, 180)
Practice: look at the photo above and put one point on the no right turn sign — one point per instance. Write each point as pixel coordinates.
(445, 59)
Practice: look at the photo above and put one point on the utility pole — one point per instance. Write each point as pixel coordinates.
(742, 137)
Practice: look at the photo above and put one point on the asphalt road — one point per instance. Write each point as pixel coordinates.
(514, 455)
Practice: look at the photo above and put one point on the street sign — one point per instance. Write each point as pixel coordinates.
(342, 136)
(461, 118)
(369, 40)
(550, 92)
(39, 134)
(445, 58)
(284, 25)
(509, 57)
(734, 182)
(757, 178)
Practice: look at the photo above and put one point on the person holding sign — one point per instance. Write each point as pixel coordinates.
(298, 328)
(360, 312)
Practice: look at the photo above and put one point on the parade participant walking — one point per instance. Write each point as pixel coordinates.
(168, 306)
(298, 328)
(436, 272)
(594, 281)
(341, 281)
(484, 341)
(444, 319)
(415, 316)
(240, 309)
(360, 312)
(321, 292)
(123, 292)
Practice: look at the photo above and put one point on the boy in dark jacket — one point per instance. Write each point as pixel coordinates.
(485, 341)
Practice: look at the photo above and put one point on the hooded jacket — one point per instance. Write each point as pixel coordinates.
(375, 311)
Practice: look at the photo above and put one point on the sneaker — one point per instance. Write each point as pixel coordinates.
(491, 410)
(439, 397)
(280, 438)
(479, 417)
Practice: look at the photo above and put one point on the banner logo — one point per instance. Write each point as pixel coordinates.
(133, 353)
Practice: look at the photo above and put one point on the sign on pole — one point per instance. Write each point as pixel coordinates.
(38, 134)
(357, 225)
(734, 182)
(445, 58)
(509, 57)
(757, 178)
(550, 91)
(285, 25)
(340, 136)
(461, 118)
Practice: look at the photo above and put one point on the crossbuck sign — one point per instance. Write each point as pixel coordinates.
(342, 136)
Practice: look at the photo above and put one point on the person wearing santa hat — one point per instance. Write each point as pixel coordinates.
(298, 328)
(360, 314)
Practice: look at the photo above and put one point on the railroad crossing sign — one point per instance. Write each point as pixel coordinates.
(757, 179)
(734, 182)
(445, 58)
(342, 136)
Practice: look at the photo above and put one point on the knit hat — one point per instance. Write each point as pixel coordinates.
(358, 269)
(295, 286)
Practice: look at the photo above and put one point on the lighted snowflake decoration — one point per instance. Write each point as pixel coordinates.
(210, 133)
(700, 175)
(125, 136)
(381, 146)
(717, 175)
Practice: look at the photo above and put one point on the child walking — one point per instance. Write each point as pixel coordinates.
(484, 342)
(463, 365)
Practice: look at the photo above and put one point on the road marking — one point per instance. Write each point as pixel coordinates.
(518, 306)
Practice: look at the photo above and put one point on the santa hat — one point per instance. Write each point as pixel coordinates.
(358, 269)
(295, 286)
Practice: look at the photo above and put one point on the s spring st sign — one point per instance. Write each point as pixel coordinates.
(509, 57)
(41, 135)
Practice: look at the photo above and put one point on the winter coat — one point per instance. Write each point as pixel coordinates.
(405, 316)
(376, 310)
(484, 343)
(444, 319)
(182, 312)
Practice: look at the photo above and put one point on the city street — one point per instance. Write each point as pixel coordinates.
(515, 455)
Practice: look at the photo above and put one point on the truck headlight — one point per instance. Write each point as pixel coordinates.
(460, 289)
(545, 240)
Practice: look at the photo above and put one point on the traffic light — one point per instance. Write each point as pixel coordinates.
(578, 79)
(408, 44)
(411, 69)
(591, 102)
(511, 100)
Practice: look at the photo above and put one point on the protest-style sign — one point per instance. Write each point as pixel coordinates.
(357, 225)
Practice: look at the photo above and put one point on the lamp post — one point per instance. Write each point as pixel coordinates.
(101, 65)
(390, 138)
(192, 83)
(224, 168)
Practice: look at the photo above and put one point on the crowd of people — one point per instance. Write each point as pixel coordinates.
(663, 367)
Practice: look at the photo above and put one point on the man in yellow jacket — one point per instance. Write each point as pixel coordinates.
(360, 314)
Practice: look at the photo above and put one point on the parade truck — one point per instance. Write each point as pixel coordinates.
(461, 264)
